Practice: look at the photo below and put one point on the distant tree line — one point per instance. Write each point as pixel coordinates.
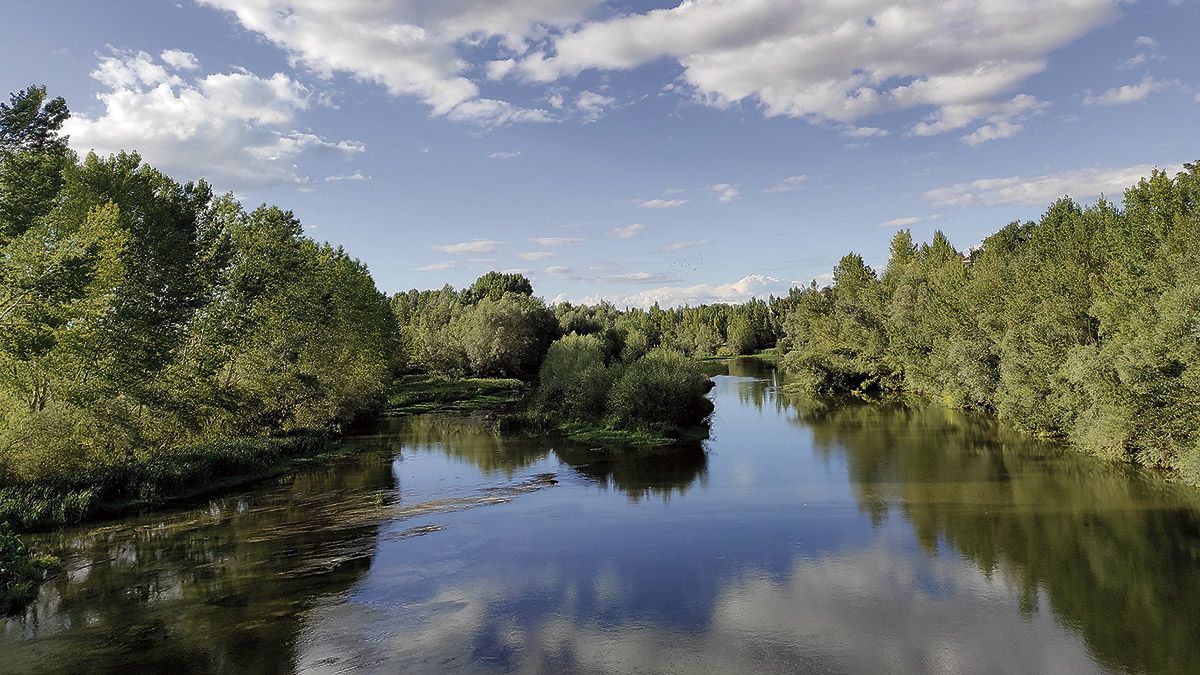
(496, 327)
(1084, 325)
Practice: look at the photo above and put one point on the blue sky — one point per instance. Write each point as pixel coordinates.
(708, 150)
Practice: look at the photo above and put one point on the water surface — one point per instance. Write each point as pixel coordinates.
(798, 538)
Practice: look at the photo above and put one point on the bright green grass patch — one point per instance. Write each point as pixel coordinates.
(420, 394)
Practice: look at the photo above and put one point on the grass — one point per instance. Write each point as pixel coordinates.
(171, 476)
(598, 433)
(415, 394)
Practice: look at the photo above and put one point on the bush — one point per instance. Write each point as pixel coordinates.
(662, 387)
(21, 571)
(574, 381)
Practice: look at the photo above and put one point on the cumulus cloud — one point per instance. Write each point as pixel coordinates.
(413, 49)
(830, 61)
(787, 184)
(661, 203)
(1000, 119)
(750, 286)
(724, 191)
(629, 231)
(591, 106)
(437, 267)
(237, 129)
(476, 246)
(536, 255)
(1041, 190)
(180, 60)
(1128, 93)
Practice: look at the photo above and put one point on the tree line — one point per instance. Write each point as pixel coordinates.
(1084, 325)
(496, 327)
(141, 317)
(139, 314)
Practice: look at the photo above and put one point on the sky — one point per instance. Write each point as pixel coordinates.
(636, 151)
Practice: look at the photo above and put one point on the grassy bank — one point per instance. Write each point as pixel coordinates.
(415, 394)
(172, 476)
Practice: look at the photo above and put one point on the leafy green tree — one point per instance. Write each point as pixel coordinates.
(33, 157)
(494, 285)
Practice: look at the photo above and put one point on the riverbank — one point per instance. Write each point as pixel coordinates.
(414, 394)
(172, 476)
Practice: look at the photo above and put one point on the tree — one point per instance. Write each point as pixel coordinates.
(494, 285)
(33, 156)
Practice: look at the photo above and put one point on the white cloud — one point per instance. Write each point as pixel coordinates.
(1000, 119)
(236, 129)
(1129, 93)
(476, 246)
(629, 231)
(504, 155)
(437, 267)
(536, 255)
(680, 245)
(356, 176)
(901, 222)
(1080, 184)
(413, 49)
(591, 106)
(1138, 59)
(559, 270)
(865, 132)
(787, 184)
(830, 60)
(180, 60)
(661, 203)
(1146, 41)
(751, 286)
(724, 191)
(555, 241)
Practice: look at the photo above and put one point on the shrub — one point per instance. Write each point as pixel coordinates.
(574, 381)
(21, 571)
(662, 387)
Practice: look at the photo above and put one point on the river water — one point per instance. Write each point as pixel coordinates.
(799, 538)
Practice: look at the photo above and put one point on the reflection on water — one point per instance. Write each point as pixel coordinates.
(800, 537)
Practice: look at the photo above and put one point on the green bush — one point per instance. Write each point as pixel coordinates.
(21, 571)
(662, 387)
(574, 381)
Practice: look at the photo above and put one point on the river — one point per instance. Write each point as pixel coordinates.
(798, 538)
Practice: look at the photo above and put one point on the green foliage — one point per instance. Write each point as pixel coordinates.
(21, 571)
(139, 315)
(506, 337)
(661, 387)
(647, 400)
(177, 473)
(574, 379)
(420, 393)
(1084, 325)
(494, 285)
